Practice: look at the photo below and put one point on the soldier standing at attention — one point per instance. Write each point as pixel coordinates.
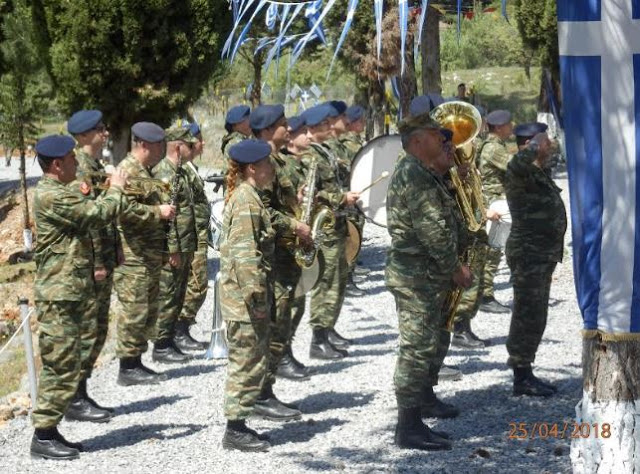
(236, 124)
(182, 240)
(64, 286)
(534, 247)
(91, 136)
(142, 229)
(352, 139)
(246, 288)
(268, 123)
(198, 280)
(494, 158)
(428, 235)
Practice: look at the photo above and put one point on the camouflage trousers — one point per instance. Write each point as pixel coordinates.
(328, 295)
(197, 285)
(173, 287)
(297, 312)
(247, 368)
(531, 287)
(137, 287)
(423, 342)
(100, 307)
(65, 342)
(472, 296)
(490, 269)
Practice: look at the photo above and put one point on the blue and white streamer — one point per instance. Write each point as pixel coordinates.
(403, 17)
(312, 13)
(245, 30)
(310, 34)
(353, 4)
(271, 16)
(378, 8)
(243, 8)
(423, 17)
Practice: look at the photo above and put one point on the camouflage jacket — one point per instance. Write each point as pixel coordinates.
(103, 240)
(246, 256)
(142, 232)
(539, 219)
(428, 233)
(182, 235)
(493, 166)
(343, 159)
(353, 142)
(228, 141)
(64, 254)
(201, 207)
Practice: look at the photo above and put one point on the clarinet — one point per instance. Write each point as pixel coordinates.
(175, 184)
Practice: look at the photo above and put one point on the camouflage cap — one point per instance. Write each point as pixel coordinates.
(179, 133)
(419, 122)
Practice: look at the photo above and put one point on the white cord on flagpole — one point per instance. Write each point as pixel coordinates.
(17, 331)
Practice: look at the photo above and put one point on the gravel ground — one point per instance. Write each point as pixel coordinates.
(349, 406)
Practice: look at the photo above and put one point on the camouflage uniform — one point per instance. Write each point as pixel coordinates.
(246, 258)
(104, 243)
(137, 281)
(198, 281)
(328, 295)
(228, 141)
(352, 141)
(182, 238)
(427, 236)
(493, 166)
(534, 247)
(64, 279)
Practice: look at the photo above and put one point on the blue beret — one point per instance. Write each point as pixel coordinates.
(499, 117)
(264, 116)
(339, 106)
(250, 151)
(529, 130)
(423, 104)
(237, 114)
(296, 123)
(318, 114)
(353, 113)
(148, 132)
(448, 134)
(194, 128)
(83, 121)
(54, 146)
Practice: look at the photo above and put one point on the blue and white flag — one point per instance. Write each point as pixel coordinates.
(312, 13)
(599, 44)
(403, 18)
(351, 11)
(271, 16)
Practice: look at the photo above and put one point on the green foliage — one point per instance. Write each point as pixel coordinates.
(487, 40)
(538, 26)
(133, 60)
(6, 6)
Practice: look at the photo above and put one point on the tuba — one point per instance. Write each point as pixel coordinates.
(464, 120)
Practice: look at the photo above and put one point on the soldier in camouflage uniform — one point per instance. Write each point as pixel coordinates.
(352, 139)
(282, 202)
(64, 279)
(142, 226)
(428, 236)
(198, 281)
(328, 295)
(182, 240)
(246, 289)
(237, 126)
(494, 158)
(534, 247)
(91, 136)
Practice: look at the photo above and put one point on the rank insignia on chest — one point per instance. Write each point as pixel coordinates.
(85, 188)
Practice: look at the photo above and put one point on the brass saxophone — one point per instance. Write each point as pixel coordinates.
(318, 218)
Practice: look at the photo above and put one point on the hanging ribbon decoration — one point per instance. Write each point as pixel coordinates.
(243, 8)
(243, 34)
(353, 4)
(403, 17)
(312, 14)
(377, 11)
(423, 16)
(311, 34)
(271, 16)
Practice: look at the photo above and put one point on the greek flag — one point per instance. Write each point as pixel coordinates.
(599, 44)
(312, 13)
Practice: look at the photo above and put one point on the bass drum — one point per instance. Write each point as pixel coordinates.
(215, 223)
(498, 231)
(310, 276)
(354, 241)
(374, 158)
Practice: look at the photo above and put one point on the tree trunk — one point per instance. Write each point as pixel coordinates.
(121, 144)
(26, 225)
(375, 118)
(256, 89)
(407, 84)
(430, 52)
(611, 399)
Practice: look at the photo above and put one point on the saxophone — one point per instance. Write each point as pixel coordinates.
(318, 218)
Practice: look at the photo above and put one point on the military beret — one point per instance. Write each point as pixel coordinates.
(339, 106)
(264, 116)
(353, 113)
(499, 117)
(418, 122)
(83, 121)
(250, 151)
(423, 104)
(179, 133)
(316, 115)
(148, 132)
(529, 130)
(194, 128)
(296, 123)
(54, 146)
(448, 134)
(236, 115)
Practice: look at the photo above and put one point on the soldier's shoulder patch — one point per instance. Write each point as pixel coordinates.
(85, 188)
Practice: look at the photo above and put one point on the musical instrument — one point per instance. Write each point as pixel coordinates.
(310, 276)
(215, 223)
(353, 243)
(369, 166)
(218, 346)
(136, 185)
(498, 231)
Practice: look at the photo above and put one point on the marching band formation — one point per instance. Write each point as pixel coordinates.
(291, 224)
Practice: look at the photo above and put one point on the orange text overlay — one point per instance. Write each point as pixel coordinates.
(561, 430)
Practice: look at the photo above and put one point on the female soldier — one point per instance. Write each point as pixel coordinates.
(246, 288)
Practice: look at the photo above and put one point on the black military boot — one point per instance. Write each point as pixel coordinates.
(269, 407)
(434, 408)
(288, 369)
(352, 289)
(82, 390)
(464, 337)
(80, 409)
(525, 383)
(132, 372)
(412, 433)
(240, 437)
(298, 364)
(336, 340)
(165, 352)
(321, 348)
(48, 443)
(490, 304)
(184, 341)
(449, 374)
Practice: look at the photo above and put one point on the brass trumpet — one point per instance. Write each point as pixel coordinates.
(135, 184)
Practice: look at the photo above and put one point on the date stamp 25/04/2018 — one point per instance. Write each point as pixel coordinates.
(559, 430)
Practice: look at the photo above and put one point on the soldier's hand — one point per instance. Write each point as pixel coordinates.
(167, 211)
(493, 215)
(303, 231)
(175, 259)
(351, 197)
(302, 192)
(118, 179)
(463, 277)
(99, 273)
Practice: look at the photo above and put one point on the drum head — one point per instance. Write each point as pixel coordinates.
(377, 156)
(353, 242)
(310, 276)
